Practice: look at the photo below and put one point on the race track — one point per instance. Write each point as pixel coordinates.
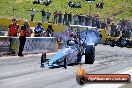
(25, 72)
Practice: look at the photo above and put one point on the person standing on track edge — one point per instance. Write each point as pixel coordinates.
(12, 32)
(22, 38)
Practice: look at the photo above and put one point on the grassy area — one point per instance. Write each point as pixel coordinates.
(111, 7)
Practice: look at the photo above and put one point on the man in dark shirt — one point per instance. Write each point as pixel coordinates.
(102, 5)
(59, 17)
(86, 20)
(65, 18)
(55, 17)
(22, 38)
(80, 19)
(70, 18)
(43, 15)
(49, 31)
(113, 29)
(108, 21)
(83, 19)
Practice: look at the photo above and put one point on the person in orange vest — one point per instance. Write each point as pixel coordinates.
(22, 38)
(12, 32)
(13, 28)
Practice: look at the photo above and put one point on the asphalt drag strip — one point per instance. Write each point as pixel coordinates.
(25, 72)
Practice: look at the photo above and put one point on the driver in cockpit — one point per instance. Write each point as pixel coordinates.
(73, 38)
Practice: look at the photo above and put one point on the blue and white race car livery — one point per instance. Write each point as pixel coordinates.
(73, 50)
(70, 53)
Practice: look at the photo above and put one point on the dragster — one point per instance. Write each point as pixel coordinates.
(73, 50)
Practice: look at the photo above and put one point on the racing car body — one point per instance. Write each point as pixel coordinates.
(73, 50)
(70, 53)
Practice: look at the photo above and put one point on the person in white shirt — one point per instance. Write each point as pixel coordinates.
(32, 14)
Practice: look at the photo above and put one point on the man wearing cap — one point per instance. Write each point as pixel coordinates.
(38, 30)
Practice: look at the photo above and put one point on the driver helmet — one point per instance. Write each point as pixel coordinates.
(72, 34)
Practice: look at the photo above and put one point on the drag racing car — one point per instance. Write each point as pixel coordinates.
(73, 50)
(68, 55)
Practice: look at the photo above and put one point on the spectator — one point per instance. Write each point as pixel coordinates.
(74, 4)
(22, 37)
(93, 22)
(79, 5)
(12, 32)
(70, 18)
(28, 30)
(32, 14)
(13, 28)
(108, 21)
(113, 29)
(103, 25)
(97, 5)
(97, 15)
(101, 5)
(43, 15)
(55, 17)
(86, 20)
(83, 19)
(76, 19)
(97, 23)
(48, 15)
(80, 19)
(90, 20)
(70, 3)
(59, 17)
(38, 30)
(65, 18)
(49, 31)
